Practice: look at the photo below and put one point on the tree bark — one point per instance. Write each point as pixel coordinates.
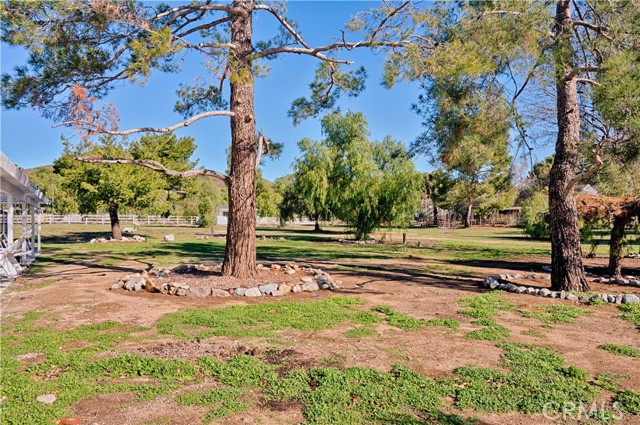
(566, 254)
(615, 245)
(435, 214)
(467, 216)
(317, 225)
(116, 233)
(240, 251)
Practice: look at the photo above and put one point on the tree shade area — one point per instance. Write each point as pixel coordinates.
(619, 213)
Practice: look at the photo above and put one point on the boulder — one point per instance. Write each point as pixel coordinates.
(310, 287)
(182, 292)
(284, 288)
(135, 282)
(252, 292)
(216, 292)
(118, 285)
(572, 297)
(268, 288)
(239, 292)
(544, 292)
(296, 288)
(630, 298)
(199, 292)
(152, 285)
(306, 279)
(170, 237)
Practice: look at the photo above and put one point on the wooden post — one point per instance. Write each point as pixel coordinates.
(33, 230)
(10, 212)
(404, 238)
(39, 228)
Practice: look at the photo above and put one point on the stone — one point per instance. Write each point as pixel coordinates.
(152, 285)
(503, 277)
(46, 398)
(239, 292)
(170, 237)
(252, 292)
(276, 267)
(563, 295)
(134, 282)
(284, 288)
(181, 292)
(518, 276)
(268, 288)
(531, 291)
(494, 284)
(290, 271)
(572, 297)
(630, 298)
(537, 291)
(310, 287)
(277, 293)
(619, 299)
(216, 292)
(509, 287)
(544, 292)
(118, 285)
(520, 290)
(306, 279)
(296, 288)
(127, 230)
(611, 299)
(322, 279)
(199, 292)
(555, 294)
(584, 299)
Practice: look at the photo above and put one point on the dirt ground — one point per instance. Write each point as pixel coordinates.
(80, 295)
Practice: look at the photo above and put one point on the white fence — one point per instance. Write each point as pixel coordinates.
(151, 220)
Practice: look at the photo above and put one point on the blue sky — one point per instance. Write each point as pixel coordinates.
(30, 140)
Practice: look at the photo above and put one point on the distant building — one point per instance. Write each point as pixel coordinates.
(223, 215)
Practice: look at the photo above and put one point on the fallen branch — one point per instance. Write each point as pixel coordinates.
(583, 176)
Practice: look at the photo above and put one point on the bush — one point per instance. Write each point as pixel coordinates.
(535, 216)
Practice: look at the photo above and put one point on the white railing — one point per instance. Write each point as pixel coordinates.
(150, 220)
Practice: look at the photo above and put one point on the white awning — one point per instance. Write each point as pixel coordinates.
(15, 183)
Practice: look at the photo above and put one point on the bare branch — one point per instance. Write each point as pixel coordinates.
(600, 29)
(317, 52)
(580, 69)
(283, 22)
(263, 145)
(587, 81)
(156, 166)
(148, 129)
(204, 26)
(583, 176)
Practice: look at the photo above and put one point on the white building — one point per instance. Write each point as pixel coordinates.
(22, 239)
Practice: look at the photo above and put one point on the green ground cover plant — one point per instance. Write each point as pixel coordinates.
(486, 305)
(552, 314)
(631, 313)
(621, 350)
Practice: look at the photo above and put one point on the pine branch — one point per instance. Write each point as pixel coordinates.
(583, 176)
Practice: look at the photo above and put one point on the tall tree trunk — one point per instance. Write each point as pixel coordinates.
(467, 216)
(116, 233)
(566, 254)
(317, 226)
(240, 251)
(615, 245)
(435, 214)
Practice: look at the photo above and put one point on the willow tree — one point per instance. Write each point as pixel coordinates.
(570, 47)
(80, 50)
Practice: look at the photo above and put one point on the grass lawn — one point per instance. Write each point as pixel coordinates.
(409, 339)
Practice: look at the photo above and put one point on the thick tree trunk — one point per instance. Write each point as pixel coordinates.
(566, 253)
(467, 216)
(615, 245)
(240, 251)
(435, 215)
(317, 225)
(116, 233)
